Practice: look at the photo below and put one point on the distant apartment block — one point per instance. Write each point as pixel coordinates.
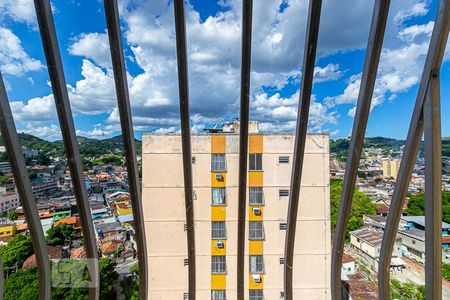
(5, 167)
(390, 168)
(43, 187)
(215, 161)
(8, 201)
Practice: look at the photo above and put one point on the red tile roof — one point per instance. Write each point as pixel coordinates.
(53, 253)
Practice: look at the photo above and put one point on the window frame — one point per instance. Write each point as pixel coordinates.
(221, 295)
(256, 191)
(257, 295)
(258, 233)
(218, 165)
(222, 195)
(258, 266)
(219, 267)
(254, 162)
(214, 231)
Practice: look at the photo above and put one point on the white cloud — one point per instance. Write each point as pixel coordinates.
(94, 46)
(214, 62)
(49, 132)
(13, 58)
(18, 10)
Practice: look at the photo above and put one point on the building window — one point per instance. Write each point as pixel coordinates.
(186, 262)
(255, 195)
(218, 295)
(281, 260)
(284, 193)
(193, 160)
(255, 162)
(283, 226)
(218, 264)
(283, 159)
(218, 196)
(218, 162)
(219, 230)
(256, 295)
(185, 296)
(256, 264)
(256, 230)
(281, 295)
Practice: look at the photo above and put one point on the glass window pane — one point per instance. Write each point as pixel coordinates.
(256, 195)
(218, 230)
(218, 196)
(218, 162)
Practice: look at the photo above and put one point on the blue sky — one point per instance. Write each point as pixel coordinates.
(213, 29)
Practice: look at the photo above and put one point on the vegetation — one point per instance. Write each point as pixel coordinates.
(389, 146)
(416, 205)
(88, 147)
(407, 291)
(446, 271)
(23, 284)
(5, 179)
(61, 234)
(361, 205)
(18, 249)
(12, 215)
(130, 284)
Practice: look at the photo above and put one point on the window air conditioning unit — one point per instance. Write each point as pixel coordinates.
(257, 211)
(220, 245)
(219, 176)
(256, 278)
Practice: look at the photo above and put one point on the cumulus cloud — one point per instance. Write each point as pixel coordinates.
(18, 10)
(214, 63)
(13, 58)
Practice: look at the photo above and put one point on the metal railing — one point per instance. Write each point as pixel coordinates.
(426, 115)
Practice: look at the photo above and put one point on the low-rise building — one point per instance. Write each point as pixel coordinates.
(367, 244)
(9, 201)
(8, 229)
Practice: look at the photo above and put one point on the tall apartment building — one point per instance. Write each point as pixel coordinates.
(390, 168)
(215, 161)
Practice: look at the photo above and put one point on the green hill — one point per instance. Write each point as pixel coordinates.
(340, 147)
(87, 146)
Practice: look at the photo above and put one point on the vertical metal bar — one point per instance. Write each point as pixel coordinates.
(432, 64)
(372, 59)
(309, 59)
(2, 281)
(433, 190)
(23, 185)
(246, 64)
(123, 99)
(183, 88)
(58, 82)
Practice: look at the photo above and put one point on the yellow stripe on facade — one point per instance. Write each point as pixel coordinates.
(218, 213)
(215, 251)
(254, 285)
(218, 282)
(218, 179)
(255, 144)
(253, 216)
(256, 248)
(218, 144)
(255, 179)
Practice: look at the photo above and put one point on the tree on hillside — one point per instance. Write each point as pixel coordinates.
(16, 251)
(361, 205)
(61, 234)
(12, 215)
(416, 205)
(23, 284)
